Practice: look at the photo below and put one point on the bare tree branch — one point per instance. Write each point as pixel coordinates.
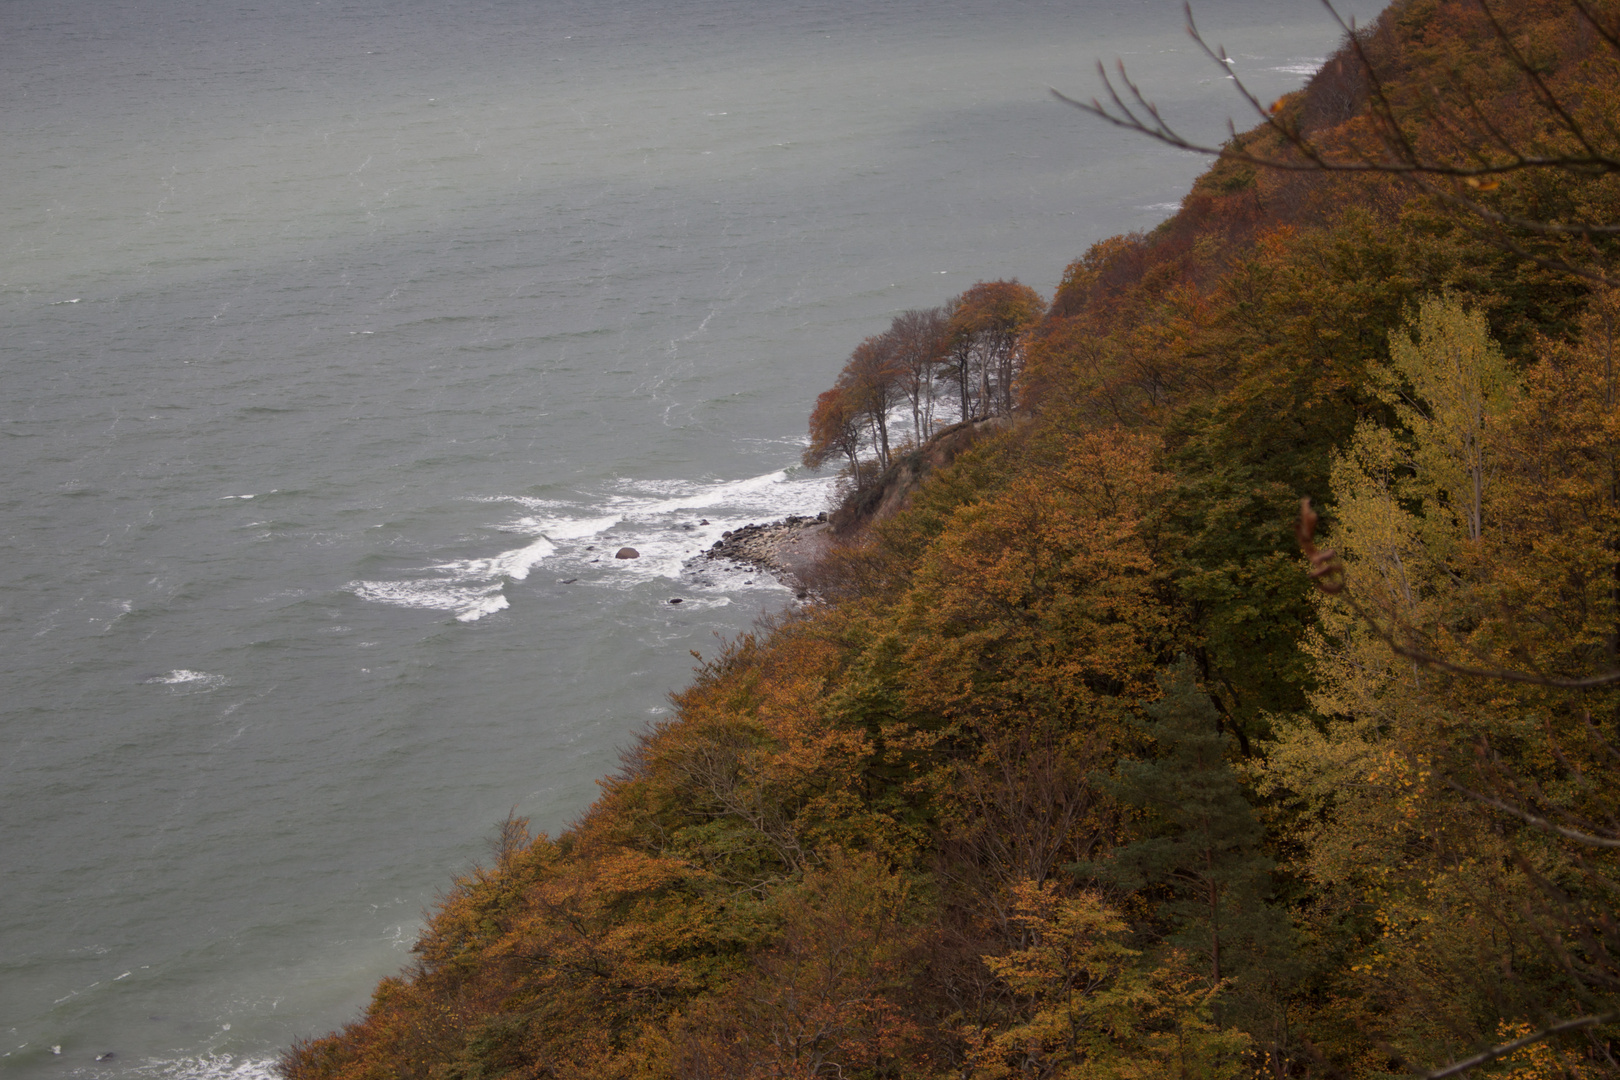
(1538, 822)
(1486, 1056)
(1403, 158)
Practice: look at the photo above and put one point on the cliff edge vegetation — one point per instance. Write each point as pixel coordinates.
(1083, 770)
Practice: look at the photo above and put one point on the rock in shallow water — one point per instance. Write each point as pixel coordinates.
(627, 553)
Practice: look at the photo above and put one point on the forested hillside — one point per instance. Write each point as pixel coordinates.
(1082, 768)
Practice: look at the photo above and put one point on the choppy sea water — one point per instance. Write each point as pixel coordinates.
(345, 343)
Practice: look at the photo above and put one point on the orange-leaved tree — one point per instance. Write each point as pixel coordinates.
(873, 378)
(835, 428)
(987, 323)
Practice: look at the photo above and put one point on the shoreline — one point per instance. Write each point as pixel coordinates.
(785, 548)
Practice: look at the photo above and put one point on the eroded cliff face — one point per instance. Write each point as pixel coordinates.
(893, 490)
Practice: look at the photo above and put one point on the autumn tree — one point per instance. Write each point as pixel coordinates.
(855, 413)
(1412, 498)
(986, 326)
(1539, 178)
(873, 378)
(835, 428)
(1455, 766)
(920, 341)
(824, 1001)
(1450, 386)
(1097, 1007)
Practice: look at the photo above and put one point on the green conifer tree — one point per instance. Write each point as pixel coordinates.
(1201, 842)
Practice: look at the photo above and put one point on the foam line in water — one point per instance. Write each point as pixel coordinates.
(651, 516)
(724, 494)
(471, 588)
(210, 1067)
(1303, 66)
(467, 603)
(185, 677)
(649, 519)
(570, 529)
(514, 564)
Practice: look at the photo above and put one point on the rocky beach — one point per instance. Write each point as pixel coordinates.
(786, 548)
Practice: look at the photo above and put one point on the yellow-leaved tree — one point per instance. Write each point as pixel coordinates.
(1096, 1008)
(1423, 787)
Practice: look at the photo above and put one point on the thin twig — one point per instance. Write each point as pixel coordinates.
(1505, 1049)
(1403, 159)
(1541, 823)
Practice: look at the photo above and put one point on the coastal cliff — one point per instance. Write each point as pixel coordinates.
(1079, 772)
(891, 492)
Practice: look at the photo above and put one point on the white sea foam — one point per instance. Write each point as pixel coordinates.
(704, 603)
(647, 508)
(577, 529)
(209, 1067)
(1307, 65)
(514, 564)
(468, 588)
(732, 492)
(187, 679)
(468, 603)
(667, 522)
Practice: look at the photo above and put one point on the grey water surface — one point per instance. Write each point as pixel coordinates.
(343, 342)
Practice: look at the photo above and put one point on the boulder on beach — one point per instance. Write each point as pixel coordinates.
(627, 553)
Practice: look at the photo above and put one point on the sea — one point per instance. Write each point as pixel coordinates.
(344, 344)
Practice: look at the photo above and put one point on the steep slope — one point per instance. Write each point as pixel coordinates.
(1076, 775)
